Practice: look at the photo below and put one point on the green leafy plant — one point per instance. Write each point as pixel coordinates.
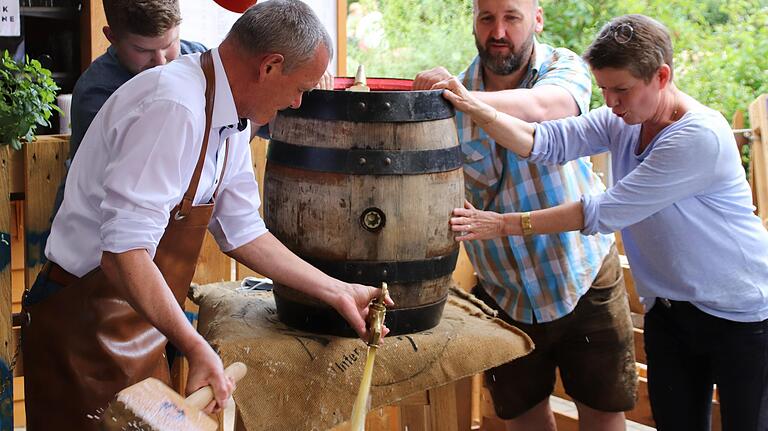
(27, 96)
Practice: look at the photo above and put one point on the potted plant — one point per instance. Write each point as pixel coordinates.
(28, 95)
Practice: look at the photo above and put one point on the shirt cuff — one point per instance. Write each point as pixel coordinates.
(237, 234)
(126, 235)
(540, 144)
(591, 211)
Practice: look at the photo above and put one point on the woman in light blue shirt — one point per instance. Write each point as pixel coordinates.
(698, 253)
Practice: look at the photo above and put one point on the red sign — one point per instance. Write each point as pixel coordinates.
(238, 6)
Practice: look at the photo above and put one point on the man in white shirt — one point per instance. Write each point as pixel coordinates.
(138, 198)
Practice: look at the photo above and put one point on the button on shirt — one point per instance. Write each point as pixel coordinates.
(136, 161)
(540, 277)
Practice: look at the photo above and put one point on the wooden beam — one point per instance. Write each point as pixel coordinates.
(442, 408)
(758, 118)
(635, 305)
(259, 161)
(93, 43)
(341, 37)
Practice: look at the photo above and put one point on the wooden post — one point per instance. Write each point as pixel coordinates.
(758, 118)
(93, 43)
(259, 160)
(6, 327)
(341, 37)
(442, 408)
(476, 420)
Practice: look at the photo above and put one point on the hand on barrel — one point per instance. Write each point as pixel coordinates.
(326, 81)
(426, 79)
(472, 223)
(464, 101)
(352, 303)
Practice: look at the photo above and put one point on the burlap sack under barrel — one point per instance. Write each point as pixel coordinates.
(362, 185)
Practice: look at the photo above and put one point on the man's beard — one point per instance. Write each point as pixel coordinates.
(501, 64)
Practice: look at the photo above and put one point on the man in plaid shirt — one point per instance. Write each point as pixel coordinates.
(565, 290)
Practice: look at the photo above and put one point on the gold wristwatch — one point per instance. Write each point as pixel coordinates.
(525, 223)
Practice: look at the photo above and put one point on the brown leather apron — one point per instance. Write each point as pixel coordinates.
(84, 343)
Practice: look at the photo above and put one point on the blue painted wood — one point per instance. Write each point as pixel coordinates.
(6, 397)
(6, 326)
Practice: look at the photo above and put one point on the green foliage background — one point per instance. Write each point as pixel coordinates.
(27, 99)
(721, 46)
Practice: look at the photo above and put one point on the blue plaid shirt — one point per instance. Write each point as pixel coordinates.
(541, 277)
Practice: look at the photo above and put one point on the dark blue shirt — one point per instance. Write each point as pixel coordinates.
(97, 83)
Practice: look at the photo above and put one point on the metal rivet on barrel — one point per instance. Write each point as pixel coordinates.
(387, 161)
(361, 107)
(387, 106)
(362, 161)
(384, 274)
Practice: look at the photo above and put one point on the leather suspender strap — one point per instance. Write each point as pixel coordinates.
(206, 62)
(223, 169)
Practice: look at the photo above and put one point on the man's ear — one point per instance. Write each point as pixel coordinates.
(271, 64)
(538, 20)
(109, 34)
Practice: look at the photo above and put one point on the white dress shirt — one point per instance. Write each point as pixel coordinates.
(135, 163)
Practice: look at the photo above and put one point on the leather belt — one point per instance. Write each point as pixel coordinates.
(57, 274)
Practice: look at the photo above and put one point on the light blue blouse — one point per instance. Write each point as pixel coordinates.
(683, 206)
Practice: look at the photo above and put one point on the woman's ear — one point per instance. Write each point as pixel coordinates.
(665, 75)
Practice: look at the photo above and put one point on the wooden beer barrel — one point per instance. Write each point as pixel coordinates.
(362, 186)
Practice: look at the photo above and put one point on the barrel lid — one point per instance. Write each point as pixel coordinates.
(389, 101)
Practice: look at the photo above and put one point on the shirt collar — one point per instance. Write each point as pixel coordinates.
(537, 59)
(224, 110)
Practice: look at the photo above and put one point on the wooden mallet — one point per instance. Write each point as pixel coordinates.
(151, 405)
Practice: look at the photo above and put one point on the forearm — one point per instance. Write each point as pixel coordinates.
(266, 255)
(516, 109)
(532, 105)
(473, 224)
(140, 282)
(508, 131)
(562, 218)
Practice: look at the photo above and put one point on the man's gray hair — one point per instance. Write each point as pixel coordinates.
(287, 27)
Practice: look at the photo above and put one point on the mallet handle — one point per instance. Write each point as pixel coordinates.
(201, 397)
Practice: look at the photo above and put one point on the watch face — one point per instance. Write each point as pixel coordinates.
(238, 6)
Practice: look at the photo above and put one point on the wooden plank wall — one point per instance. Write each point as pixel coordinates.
(44, 170)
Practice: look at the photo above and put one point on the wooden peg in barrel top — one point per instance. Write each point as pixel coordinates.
(360, 81)
(151, 405)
